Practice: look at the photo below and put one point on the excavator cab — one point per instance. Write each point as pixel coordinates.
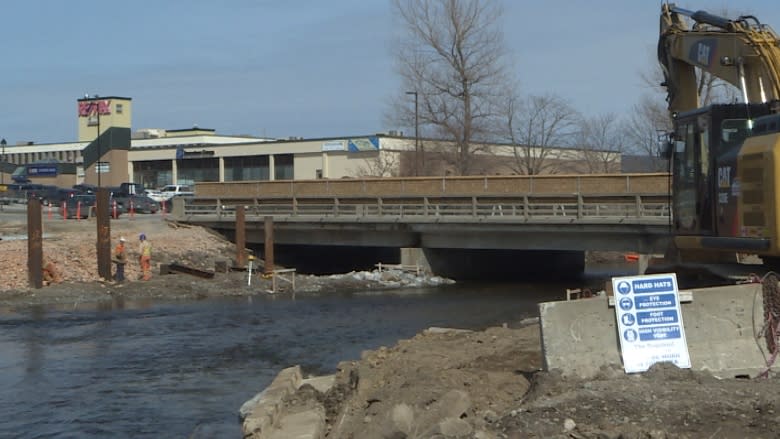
(725, 166)
(703, 156)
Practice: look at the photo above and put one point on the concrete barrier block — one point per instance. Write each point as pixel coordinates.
(262, 412)
(308, 424)
(580, 337)
(322, 384)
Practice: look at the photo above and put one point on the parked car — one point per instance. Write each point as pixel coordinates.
(64, 194)
(132, 189)
(140, 204)
(166, 192)
(44, 193)
(80, 206)
(154, 194)
(85, 188)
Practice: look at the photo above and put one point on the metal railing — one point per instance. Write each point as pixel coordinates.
(649, 208)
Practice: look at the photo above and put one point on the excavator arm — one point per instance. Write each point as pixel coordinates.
(742, 52)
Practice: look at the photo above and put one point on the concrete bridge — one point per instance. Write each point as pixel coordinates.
(494, 220)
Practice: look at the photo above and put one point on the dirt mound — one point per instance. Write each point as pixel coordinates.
(489, 385)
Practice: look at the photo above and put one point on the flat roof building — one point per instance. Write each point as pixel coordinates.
(108, 153)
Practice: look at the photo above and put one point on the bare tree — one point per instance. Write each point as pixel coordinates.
(385, 164)
(601, 140)
(537, 127)
(452, 56)
(648, 122)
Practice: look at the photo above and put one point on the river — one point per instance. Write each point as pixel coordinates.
(152, 370)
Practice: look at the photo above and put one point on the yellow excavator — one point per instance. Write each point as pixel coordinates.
(724, 158)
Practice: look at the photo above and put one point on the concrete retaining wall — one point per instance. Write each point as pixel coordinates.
(721, 324)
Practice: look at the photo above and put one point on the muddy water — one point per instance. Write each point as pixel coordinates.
(180, 369)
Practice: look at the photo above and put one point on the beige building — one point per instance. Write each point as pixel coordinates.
(107, 153)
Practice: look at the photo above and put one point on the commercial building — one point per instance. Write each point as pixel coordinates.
(108, 153)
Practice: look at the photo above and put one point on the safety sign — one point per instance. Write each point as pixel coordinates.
(649, 318)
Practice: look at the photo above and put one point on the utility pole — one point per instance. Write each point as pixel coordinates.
(2, 171)
(416, 134)
(95, 107)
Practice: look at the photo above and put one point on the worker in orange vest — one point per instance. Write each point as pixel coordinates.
(145, 251)
(120, 259)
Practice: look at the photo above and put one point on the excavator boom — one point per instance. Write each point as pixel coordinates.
(742, 52)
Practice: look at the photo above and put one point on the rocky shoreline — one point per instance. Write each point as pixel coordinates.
(448, 383)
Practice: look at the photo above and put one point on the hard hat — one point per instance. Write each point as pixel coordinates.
(142, 237)
(122, 239)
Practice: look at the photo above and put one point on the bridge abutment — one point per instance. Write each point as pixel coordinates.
(465, 264)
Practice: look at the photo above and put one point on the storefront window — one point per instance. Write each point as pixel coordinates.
(247, 168)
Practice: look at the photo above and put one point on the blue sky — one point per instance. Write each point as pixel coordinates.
(280, 68)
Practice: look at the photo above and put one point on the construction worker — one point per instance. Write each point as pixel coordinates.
(120, 259)
(145, 251)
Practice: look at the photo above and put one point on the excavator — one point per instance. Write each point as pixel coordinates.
(724, 158)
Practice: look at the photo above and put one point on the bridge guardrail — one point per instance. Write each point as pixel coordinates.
(649, 207)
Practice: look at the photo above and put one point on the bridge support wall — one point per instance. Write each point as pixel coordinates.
(415, 256)
(465, 264)
(321, 259)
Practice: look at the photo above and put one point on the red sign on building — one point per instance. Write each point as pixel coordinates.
(90, 108)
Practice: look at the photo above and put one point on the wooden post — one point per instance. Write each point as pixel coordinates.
(240, 236)
(103, 234)
(34, 244)
(268, 228)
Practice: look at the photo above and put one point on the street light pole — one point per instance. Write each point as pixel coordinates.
(416, 134)
(2, 172)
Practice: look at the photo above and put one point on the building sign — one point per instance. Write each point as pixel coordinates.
(90, 108)
(649, 320)
(333, 145)
(41, 170)
(364, 144)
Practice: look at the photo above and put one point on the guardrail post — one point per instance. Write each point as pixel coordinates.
(379, 206)
(240, 236)
(425, 206)
(268, 241)
(335, 207)
(638, 199)
(580, 205)
(295, 206)
(526, 207)
(474, 207)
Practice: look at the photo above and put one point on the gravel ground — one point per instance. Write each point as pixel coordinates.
(70, 245)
